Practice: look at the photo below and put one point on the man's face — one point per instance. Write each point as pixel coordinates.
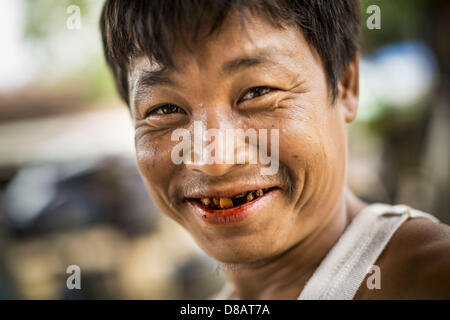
(215, 86)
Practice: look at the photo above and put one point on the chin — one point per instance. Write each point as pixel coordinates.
(242, 249)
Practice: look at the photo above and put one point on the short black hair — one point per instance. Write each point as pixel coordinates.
(152, 28)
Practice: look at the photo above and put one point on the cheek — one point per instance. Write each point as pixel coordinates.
(302, 140)
(312, 147)
(153, 160)
(311, 130)
(305, 154)
(335, 138)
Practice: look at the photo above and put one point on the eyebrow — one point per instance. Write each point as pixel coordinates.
(162, 77)
(155, 78)
(242, 63)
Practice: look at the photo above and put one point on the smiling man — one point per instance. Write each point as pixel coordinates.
(283, 66)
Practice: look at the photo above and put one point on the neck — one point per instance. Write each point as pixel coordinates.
(284, 276)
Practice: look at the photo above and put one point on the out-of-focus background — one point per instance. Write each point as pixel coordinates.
(70, 193)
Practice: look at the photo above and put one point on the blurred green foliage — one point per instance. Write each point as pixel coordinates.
(44, 18)
(400, 20)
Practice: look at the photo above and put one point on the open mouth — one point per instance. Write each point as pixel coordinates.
(222, 203)
(223, 209)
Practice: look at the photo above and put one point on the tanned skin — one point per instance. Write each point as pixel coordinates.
(273, 254)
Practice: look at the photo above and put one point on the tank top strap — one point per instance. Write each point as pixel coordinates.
(344, 268)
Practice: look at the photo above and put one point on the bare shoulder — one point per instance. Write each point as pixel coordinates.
(415, 264)
(426, 247)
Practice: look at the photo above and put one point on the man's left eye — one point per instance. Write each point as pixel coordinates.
(255, 92)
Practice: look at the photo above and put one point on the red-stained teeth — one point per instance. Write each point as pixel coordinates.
(235, 201)
(225, 203)
(205, 201)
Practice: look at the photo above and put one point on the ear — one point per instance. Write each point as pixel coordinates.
(348, 88)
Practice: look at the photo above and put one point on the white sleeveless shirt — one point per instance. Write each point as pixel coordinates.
(346, 265)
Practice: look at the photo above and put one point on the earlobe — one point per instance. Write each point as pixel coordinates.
(348, 86)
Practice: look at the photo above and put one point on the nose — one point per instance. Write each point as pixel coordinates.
(218, 150)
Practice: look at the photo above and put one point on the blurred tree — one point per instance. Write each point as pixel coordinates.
(73, 59)
(400, 20)
(416, 149)
(44, 18)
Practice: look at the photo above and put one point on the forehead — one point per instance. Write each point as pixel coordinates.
(253, 36)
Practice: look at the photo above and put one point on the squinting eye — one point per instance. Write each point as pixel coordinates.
(255, 93)
(165, 109)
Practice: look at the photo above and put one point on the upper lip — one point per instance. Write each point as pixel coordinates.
(215, 192)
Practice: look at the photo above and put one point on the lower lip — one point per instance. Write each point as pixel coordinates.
(236, 215)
